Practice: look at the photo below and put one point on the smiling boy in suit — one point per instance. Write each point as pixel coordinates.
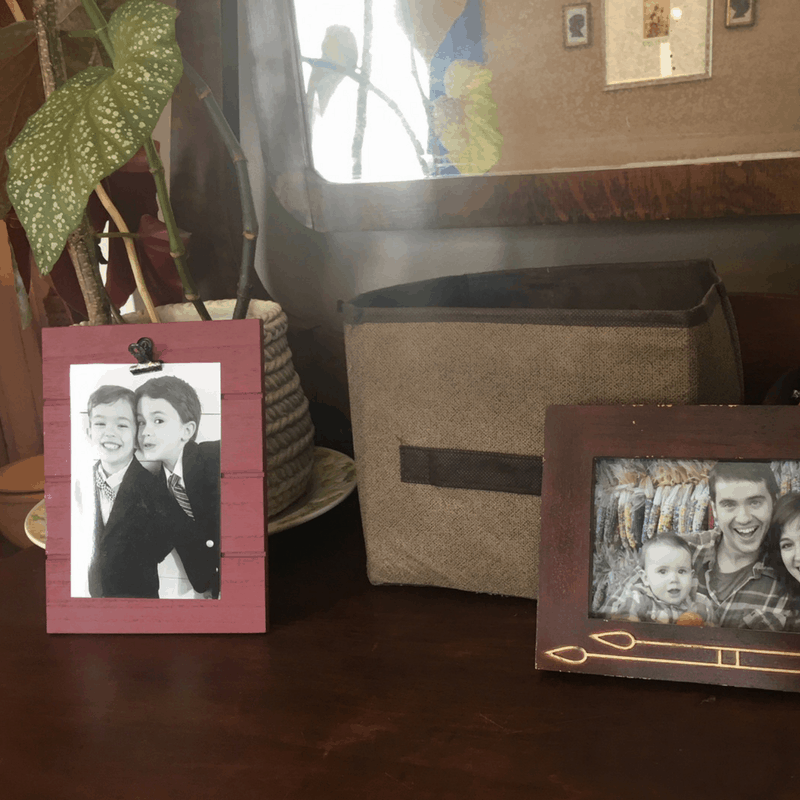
(168, 416)
(133, 523)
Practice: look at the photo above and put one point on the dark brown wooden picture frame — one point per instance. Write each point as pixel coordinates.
(568, 639)
(241, 604)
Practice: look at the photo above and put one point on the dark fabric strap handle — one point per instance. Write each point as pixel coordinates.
(471, 469)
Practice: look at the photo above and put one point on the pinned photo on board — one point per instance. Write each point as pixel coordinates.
(656, 19)
(155, 478)
(145, 509)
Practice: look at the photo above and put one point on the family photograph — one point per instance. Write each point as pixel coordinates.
(691, 542)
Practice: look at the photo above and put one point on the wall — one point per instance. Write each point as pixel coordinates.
(308, 272)
(555, 113)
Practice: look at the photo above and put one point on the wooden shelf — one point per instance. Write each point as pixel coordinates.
(360, 691)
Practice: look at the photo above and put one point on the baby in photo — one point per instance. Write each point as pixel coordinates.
(664, 589)
(168, 414)
(127, 526)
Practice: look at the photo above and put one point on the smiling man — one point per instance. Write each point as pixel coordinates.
(745, 593)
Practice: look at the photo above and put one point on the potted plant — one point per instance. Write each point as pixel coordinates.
(94, 126)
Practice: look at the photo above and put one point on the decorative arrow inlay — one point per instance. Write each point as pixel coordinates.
(726, 657)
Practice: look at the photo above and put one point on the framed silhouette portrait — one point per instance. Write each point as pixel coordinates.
(577, 25)
(740, 13)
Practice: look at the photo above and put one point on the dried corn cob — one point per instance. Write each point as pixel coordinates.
(701, 506)
(649, 493)
(665, 518)
(676, 508)
(600, 517)
(637, 513)
(634, 506)
(624, 516)
(682, 517)
(785, 478)
(691, 507)
(611, 518)
(655, 511)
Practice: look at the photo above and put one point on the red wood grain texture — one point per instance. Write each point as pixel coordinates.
(675, 191)
(574, 437)
(236, 346)
(174, 342)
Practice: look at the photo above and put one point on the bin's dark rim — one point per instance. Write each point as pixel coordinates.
(611, 318)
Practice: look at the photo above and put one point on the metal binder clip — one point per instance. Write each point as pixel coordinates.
(143, 352)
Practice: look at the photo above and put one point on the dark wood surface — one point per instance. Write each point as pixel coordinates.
(360, 692)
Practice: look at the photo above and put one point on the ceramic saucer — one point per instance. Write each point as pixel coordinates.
(333, 478)
(36, 524)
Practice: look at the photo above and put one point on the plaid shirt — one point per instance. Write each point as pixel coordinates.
(757, 601)
(640, 604)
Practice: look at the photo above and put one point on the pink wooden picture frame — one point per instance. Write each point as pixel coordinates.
(242, 603)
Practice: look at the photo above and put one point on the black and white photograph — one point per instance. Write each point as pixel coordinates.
(740, 13)
(145, 491)
(697, 543)
(577, 25)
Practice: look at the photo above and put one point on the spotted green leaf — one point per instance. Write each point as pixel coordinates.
(91, 126)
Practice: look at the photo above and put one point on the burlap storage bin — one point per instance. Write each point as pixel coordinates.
(449, 382)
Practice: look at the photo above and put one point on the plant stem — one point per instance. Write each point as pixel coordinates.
(16, 11)
(177, 250)
(51, 61)
(428, 106)
(100, 25)
(97, 305)
(130, 249)
(249, 220)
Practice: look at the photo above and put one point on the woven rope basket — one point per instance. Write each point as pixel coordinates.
(287, 423)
